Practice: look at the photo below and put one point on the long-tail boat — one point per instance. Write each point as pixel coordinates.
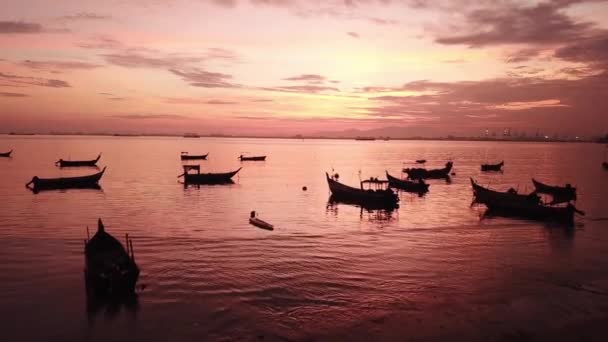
(529, 206)
(89, 181)
(253, 158)
(492, 167)
(206, 178)
(420, 173)
(110, 268)
(381, 196)
(76, 163)
(566, 193)
(6, 154)
(418, 187)
(186, 156)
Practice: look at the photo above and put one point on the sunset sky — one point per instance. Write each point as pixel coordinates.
(284, 67)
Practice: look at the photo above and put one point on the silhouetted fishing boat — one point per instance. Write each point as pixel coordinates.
(110, 269)
(420, 173)
(76, 163)
(421, 161)
(6, 154)
(89, 181)
(254, 220)
(563, 193)
(417, 187)
(511, 203)
(186, 156)
(206, 178)
(254, 158)
(381, 196)
(492, 167)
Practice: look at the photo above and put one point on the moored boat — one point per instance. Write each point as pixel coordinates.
(492, 167)
(406, 185)
(253, 158)
(420, 173)
(6, 154)
(562, 193)
(186, 156)
(206, 178)
(77, 163)
(381, 196)
(254, 220)
(110, 268)
(420, 161)
(89, 181)
(529, 206)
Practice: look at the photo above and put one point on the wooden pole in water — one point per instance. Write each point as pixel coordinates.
(88, 232)
(127, 242)
(132, 253)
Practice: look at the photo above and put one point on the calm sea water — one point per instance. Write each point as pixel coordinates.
(433, 268)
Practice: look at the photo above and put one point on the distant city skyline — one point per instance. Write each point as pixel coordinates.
(288, 67)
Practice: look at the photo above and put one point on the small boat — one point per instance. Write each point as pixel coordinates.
(419, 173)
(76, 163)
(254, 158)
(206, 178)
(110, 269)
(403, 184)
(492, 167)
(561, 193)
(421, 161)
(529, 206)
(186, 156)
(365, 138)
(6, 154)
(259, 222)
(82, 182)
(382, 196)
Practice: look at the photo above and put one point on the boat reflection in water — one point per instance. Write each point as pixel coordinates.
(370, 213)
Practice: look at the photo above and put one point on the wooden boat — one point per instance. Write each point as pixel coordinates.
(206, 178)
(254, 158)
(562, 193)
(529, 206)
(492, 167)
(421, 161)
(89, 181)
(420, 173)
(186, 156)
(76, 163)
(110, 269)
(417, 187)
(381, 196)
(254, 220)
(6, 154)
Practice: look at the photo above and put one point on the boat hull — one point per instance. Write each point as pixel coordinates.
(77, 163)
(194, 157)
(420, 173)
(210, 178)
(260, 223)
(367, 198)
(6, 154)
(86, 182)
(259, 158)
(405, 185)
(560, 193)
(492, 167)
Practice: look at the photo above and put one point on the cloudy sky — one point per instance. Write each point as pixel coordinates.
(284, 67)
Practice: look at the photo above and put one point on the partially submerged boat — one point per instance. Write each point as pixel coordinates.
(380, 196)
(492, 167)
(529, 206)
(560, 193)
(186, 156)
(419, 186)
(110, 269)
(6, 154)
(420, 173)
(254, 220)
(252, 158)
(206, 178)
(77, 163)
(81, 182)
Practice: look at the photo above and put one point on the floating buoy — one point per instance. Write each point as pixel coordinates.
(304, 188)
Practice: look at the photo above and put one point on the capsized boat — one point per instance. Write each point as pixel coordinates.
(89, 181)
(420, 173)
(406, 185)
(6, 154)
(381, 196)
(492, 167)
(186, 156)
(253, 158)
(110, 268)
(206, 178)
(77, 163)
(254, 220)
(563, 193)
(529, 206)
